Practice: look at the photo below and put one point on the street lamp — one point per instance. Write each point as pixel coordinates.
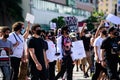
(31, 5)
(115, 13)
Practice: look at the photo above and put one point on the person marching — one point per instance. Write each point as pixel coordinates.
(109, 53)
(64, 42)
(38, 57)
(5, 52)
(50, 52)
(97, 44)
(17, 38)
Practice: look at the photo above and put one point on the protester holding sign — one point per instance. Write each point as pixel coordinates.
(17, 37)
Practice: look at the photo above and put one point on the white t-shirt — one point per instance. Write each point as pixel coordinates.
(59, 47)
(51, 51)
(98, 42)
(17, 51)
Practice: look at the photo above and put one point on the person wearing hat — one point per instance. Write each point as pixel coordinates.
(109, 53)
(64, 45)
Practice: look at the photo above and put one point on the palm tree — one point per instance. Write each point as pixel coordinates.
(10, 11)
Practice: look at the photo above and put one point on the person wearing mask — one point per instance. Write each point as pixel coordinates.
(64, 45)
(86, 42)
(109, 53)
(97, 44)
(38, 57)
(5, 52)
(17, 38)
(51, 56)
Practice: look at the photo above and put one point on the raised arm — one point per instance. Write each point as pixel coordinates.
(83, 28)
(97, 32)
(26, 34)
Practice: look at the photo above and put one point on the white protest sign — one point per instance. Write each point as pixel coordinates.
(52, 25)
(113, 19)
(118, 6)
(30, 18)
(78, 50)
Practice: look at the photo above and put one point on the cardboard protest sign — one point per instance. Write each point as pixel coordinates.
(52, 25)
(30, 18)
(118, 6)
(113, 19)
(71, 22)
(78, 50)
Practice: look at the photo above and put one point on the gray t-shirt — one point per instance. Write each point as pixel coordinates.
(4, 45)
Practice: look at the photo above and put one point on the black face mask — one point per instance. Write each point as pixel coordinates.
(38, 32)
(6, 36)
(104, 32)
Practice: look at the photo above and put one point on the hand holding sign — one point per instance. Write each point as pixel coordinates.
(30, 18)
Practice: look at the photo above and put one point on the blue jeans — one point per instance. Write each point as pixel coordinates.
(5, 67)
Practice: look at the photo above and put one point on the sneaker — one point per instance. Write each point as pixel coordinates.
(77, 69)
(81, 67)
(86, 75)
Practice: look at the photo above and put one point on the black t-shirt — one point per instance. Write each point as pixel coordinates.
(45, 45)
(38, 44)
(86, 42)
(111, 47)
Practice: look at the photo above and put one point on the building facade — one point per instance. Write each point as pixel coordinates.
(45, 10)
(107, 6)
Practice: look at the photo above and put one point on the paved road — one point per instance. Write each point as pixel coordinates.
(76, 75)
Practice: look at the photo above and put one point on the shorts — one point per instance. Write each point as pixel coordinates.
(83, 61)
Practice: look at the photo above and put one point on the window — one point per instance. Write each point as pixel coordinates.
(80, 0)
(106, 10)
(53, 7)
(91, 1)
(84, 1)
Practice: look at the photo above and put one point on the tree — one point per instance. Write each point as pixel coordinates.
(59, 21)
(96, 17)
(10, 11)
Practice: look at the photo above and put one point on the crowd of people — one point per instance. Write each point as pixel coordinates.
(44, 51)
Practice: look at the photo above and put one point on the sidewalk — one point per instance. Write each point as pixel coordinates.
(78, 75)
(1, 75)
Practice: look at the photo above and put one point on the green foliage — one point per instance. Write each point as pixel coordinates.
(96, 17)
(59, 21)
(10, 10)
